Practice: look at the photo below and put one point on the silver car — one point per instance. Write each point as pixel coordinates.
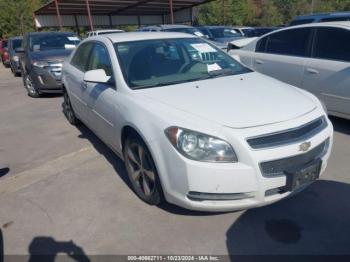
(314, 57)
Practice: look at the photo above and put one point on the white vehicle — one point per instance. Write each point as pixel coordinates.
(103, 32)
(243, 30)
(314, 57)
(204, 134)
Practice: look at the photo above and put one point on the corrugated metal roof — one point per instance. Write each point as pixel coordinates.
(117, 7)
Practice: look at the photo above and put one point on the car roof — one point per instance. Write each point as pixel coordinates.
(324, 24)
(106, 30)
(322, 15)
(215, 26)
(138, 36)
(16, 38)
(168, 26)
(50, 33)
(337, 23)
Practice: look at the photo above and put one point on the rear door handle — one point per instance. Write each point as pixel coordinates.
(259, 62)
(312, 71)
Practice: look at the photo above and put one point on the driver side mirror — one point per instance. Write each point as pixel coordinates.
(97, 76)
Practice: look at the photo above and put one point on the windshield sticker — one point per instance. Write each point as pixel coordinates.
(213, 67)
(204, 48)
(36, 47)
(73, 38)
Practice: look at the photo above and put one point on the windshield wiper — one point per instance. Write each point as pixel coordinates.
(221, 72)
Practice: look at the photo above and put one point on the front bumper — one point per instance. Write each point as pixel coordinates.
(233, 186)
(46, 81)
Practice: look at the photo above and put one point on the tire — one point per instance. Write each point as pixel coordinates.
(142, 171)
(30, 86)
(68, 109)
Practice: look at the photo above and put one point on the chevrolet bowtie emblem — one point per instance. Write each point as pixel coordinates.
(305, 146)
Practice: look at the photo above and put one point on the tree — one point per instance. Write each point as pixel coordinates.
(16, 16)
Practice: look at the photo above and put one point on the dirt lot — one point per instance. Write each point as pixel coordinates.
(62, 190)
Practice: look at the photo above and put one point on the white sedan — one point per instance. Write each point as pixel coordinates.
(195, 127)
(314, 57)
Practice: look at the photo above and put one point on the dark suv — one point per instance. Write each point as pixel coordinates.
(41, 59)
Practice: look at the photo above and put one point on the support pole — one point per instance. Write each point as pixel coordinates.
(89, 15)
(171, 11)
(34, 21)
(59, 19)
(77, 24)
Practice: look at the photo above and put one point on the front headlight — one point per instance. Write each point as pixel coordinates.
(40, 64)
(200, 147)
(15, 58)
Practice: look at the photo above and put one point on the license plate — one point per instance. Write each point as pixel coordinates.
(307, 174)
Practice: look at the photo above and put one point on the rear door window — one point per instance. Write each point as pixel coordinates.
(332, 43)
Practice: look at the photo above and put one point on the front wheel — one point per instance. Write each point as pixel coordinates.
(68, 109)
(30, 86)
(142, 171)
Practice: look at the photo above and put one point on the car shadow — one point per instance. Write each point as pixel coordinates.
(47, 249)
(340, 125)
(119, 167)
(314, 222)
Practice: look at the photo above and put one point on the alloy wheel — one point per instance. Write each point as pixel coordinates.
(142, 170)
(67, 108)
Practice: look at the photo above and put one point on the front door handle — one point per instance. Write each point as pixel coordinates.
(312, 71)
(259, 62)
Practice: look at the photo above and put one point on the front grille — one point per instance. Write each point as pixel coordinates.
(279, 167)
(55, 68)
(290, 136)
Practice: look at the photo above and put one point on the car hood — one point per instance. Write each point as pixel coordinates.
(240, 101)
(51, 55)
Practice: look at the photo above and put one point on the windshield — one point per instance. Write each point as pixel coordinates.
(53, 41)
(188, 30)
(152, 63)
(16, 43)
(224, 32)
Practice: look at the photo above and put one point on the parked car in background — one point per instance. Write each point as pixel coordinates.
(13, 44)
(193, 125)
(41, 59)
(314, 57)
(221, 34)
(3, 45)
(243, 30)
(180, 29)
(4, 53)
(259, 31)
(321, 17)
(104, 32)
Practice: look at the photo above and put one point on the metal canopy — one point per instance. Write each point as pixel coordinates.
(114, 12)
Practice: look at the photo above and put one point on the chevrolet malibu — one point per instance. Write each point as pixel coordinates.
(193, 126)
